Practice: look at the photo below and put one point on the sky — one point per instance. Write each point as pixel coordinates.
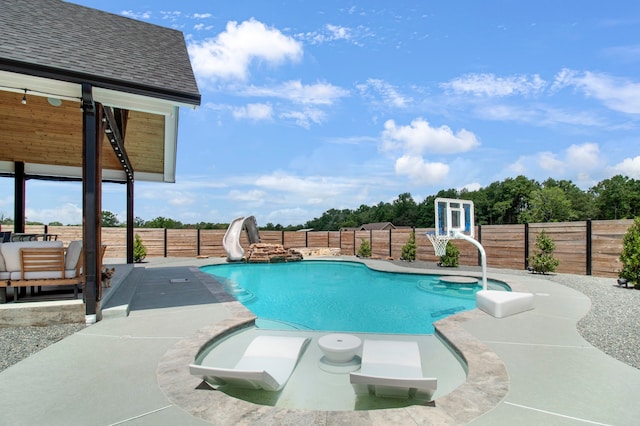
(309, 106)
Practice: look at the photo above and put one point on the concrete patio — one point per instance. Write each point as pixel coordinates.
(132, 369)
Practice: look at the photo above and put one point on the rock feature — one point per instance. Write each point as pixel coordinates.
(271, 253)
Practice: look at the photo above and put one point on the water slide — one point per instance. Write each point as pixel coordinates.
(231, 240)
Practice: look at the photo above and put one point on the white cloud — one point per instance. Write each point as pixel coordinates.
(172, 15)
(136, 15)
(254, 112)
(420, 171)
(312, 94)
(305, 188)
(629, 167)
(548, 161)
(67, 213)
(615, 93)
(473, 186)
(586, 156)
(575, 162)
(202, 15)
(491, 86)
(390, 95)
(254, 196)
(305, 117)
(229, 55)
(328, 34)
(420, 137)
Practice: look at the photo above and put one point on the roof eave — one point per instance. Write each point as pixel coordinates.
(187, 99)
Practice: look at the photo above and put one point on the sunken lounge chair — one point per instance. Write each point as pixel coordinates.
(267, 364)
(392, 369)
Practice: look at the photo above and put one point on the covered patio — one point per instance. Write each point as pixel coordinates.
(89, 96)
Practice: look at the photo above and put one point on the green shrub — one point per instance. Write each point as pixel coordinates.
(451, 257)
(365, 248)
(139, 250)
(630, 256)
(409, 249)
(543, 261)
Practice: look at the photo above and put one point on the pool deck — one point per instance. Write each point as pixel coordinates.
(531, 368)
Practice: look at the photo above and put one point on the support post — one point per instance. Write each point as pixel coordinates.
(19, 205)
(130, 221)
(93, 130)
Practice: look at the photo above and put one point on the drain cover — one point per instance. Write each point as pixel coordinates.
(179, 280)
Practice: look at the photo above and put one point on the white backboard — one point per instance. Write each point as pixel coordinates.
(453, 215)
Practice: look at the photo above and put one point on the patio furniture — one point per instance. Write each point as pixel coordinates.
(392, 369)
(340, 352)
(267, 364)
(40, 263)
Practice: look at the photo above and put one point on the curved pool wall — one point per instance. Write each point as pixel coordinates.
(346, 296)
(486, 385)
(331, 389)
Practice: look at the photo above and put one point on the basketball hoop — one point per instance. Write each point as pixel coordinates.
(439, 243)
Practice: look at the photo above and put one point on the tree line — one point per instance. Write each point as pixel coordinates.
(511, 201)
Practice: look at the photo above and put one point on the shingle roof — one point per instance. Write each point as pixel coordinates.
(74, 43)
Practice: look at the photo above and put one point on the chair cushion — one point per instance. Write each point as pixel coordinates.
(11, 251)
(73, 254)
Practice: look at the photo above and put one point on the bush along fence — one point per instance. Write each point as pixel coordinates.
(583, 248)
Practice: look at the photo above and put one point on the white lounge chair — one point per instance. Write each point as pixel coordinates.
(267, 364)
(392, 369)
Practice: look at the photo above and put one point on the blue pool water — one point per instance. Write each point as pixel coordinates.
(342, 296)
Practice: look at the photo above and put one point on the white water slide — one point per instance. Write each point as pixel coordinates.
(231, 240)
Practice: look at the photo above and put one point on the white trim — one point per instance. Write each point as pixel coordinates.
(38, 86)
(76, 172)
(171, 145)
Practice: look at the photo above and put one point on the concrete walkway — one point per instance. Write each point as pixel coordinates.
(108, 374)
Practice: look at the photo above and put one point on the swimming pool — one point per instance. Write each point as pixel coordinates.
(343, 296)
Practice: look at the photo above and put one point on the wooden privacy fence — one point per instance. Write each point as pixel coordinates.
(583, 248)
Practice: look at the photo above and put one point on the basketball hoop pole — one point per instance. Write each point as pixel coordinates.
(482, 255)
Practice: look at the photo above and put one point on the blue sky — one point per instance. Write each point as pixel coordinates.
(308, 106)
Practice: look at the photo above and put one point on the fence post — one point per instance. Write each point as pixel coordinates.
(306, 239)
(354, 243)
(526, 246)
(589, 247)
(165, 242)
(198, 242)
(282, 237)
(390, 240)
